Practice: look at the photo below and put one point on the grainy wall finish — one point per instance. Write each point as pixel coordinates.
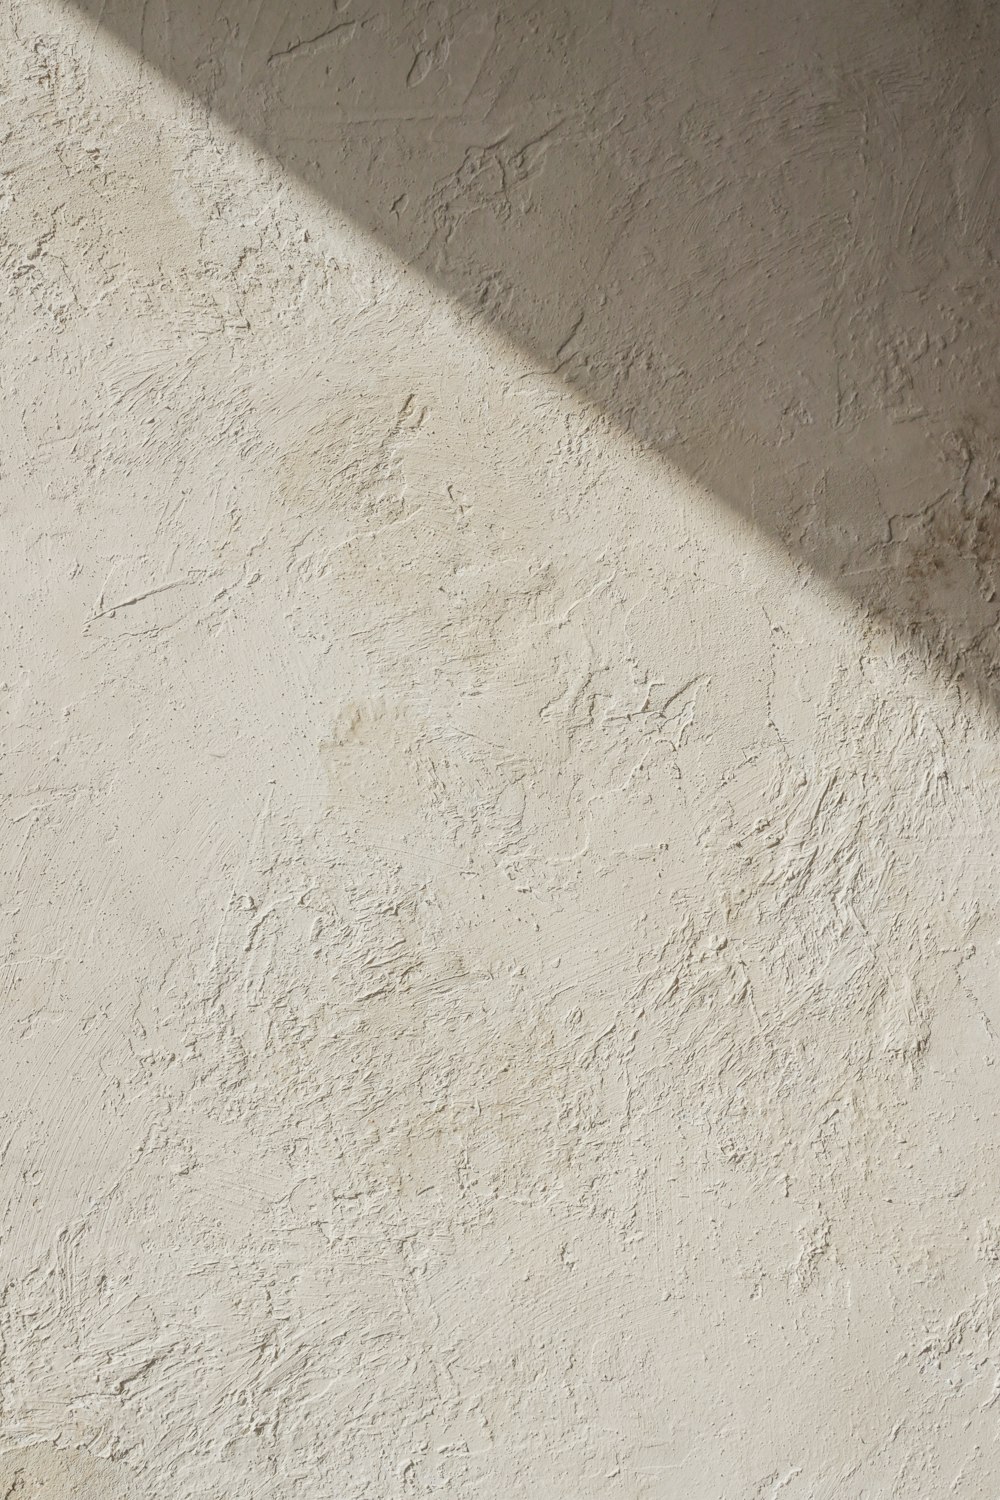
(500, 922)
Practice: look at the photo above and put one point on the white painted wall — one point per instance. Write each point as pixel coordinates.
(500, 917)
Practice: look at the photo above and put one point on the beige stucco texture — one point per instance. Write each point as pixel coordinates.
(500, 925)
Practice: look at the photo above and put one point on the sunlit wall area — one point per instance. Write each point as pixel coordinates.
(500, 931)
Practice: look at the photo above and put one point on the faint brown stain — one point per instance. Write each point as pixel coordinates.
(963, 528)
(953, 538)
(44, 1472)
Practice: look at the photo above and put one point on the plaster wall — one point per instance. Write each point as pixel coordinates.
(500, 910)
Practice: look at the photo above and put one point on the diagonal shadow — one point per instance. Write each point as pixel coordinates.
(758, 234)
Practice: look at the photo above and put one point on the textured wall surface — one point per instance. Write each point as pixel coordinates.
(500, 922)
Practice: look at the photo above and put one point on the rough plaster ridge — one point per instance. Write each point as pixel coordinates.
(499, 945)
